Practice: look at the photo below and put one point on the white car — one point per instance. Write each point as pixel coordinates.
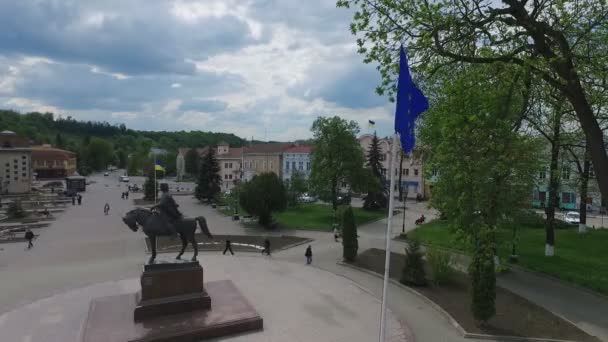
(124, 179)
(106, 173)
(306, 198)
(572, 217)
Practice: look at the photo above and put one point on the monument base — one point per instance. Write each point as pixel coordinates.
(110, 319)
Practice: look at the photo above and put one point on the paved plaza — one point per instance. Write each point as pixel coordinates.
(84, 254)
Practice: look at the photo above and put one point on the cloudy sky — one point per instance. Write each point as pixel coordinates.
(261, 68)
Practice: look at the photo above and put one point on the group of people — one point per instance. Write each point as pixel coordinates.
(125, 195)
(77, 198)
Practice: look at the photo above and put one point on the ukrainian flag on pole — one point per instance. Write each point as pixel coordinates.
(158, 166)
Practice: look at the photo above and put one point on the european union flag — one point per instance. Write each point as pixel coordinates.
(410, 103)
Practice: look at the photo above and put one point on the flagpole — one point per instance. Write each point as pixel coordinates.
(387, 259)
(154, 170)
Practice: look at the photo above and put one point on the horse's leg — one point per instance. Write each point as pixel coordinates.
(193, 242)
(184, 244)
(153, 245)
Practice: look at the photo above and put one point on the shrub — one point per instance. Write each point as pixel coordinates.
(440, 263)
(150, 187)
(413, 270)
(15, 210)
(349, 234)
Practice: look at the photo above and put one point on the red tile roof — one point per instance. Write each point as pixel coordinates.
(299, 149)
(233, 153)
(50, 153)
(268, 148)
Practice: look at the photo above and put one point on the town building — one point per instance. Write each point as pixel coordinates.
(15, 164)
(262, 158)
(230, 160)
(296, 159)
(411, 169)
(49, 162)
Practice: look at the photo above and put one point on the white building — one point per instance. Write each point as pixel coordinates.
(296, 159)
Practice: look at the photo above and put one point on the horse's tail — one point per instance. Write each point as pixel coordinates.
(202, 222)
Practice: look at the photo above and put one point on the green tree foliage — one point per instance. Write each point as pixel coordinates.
(209, 180)
(98, 154)
(413, 271)
(192, 162)
(261, 196)
(376, 198)
(483, 278)
(486, 165)
(59, 141)
(337, 158)
(562, 43)
(350, 244)
(122, 158)
(440, 263)
(150, 187)
(15, 210)
(296, 186)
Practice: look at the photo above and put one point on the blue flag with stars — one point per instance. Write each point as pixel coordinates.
(410, 104)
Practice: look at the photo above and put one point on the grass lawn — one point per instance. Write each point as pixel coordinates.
(580, 259)
(320, 217)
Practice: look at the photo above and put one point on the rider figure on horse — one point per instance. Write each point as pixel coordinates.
(168, 209)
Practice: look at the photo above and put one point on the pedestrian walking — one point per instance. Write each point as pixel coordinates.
(127, 195)
(79, 199)
(308, 255)
(228, 248)
(266, 247)
(122, 195)
(74, 200)
(106, 209)
(29, 236)
(336, 234)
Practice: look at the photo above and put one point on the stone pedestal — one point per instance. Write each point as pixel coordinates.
(172, 306)
(170, 289)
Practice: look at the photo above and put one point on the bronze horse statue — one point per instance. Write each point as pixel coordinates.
(154, 225)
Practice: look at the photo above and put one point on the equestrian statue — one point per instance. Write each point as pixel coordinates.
(165, 219)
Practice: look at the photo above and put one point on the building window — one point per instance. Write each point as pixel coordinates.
(264, 165)
(287, 166)
(16, 178)
(23, 168)
(415, 172)
(230, 176)
(383, 171)
(434, 172)
(293, 165)
(24, 175)
(307, 166)
(396, 172)
(301, 165)
(22, 157)
(407, 172)
(542, 175)
(591, 172)
(568, 197)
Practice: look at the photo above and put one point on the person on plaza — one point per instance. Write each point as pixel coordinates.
(168, 209)
(308, 255)
(106, 209)
(127, 195)
(29, 236)
(122, 195)
(228, 248)
(79, 199)
(336, 234)
(74, 200)
(266, 247)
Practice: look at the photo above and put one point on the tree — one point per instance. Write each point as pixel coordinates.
(261, 196)
(150, 187)
(59, 141)
(337, 159)
(122, 159)
(296, 186)
(562, 43)
(350, 245)
(192, 162)
(483, 278)
(376, 197)
(486, 164)
(208, 185)
(99, 153)
(413, 270)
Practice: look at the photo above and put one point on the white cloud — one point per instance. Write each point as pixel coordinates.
(176, 85)
(125, 115)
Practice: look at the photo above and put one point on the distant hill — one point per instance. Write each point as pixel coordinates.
(76, 136)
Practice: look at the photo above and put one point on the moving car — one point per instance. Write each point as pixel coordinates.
(572, 217)
(124, 179)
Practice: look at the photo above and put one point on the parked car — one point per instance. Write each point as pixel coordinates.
(343, 199)
(124, 179)
(572, 217)
(106, 173)
(307, 198)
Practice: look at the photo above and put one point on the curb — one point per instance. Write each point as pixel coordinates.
(451, 319)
